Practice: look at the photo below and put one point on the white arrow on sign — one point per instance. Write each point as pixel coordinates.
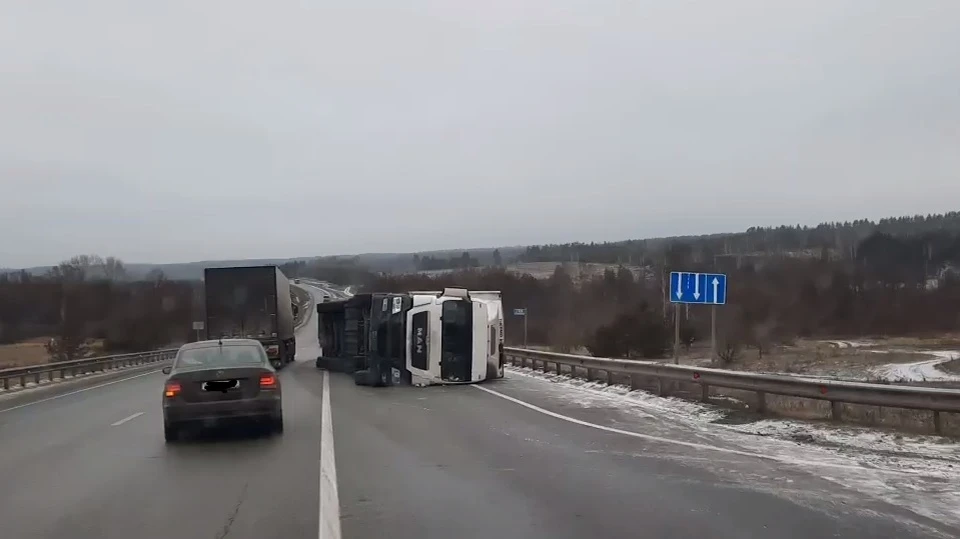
(679, 286)
(716, 283)
(696, 286)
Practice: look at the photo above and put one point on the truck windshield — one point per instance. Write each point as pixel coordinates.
(456, 340)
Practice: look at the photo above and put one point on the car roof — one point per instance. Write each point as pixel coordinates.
(220, 342)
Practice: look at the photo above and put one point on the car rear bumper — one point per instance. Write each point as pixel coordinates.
(260, 408)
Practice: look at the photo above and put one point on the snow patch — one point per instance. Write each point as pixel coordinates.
(918, 473)
(919, 371)
(600, 395)
(851, 344)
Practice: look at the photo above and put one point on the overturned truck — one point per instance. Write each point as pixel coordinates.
(453, 336)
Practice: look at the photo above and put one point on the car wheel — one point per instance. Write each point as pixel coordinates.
(170, 433)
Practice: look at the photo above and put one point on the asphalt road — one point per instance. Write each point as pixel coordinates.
(410, 463)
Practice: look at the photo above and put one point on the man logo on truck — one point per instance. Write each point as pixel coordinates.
(419, 340)
(418, 352)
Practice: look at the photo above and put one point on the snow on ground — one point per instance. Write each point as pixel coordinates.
(918, 473)
(920, 371)
(917, 371)
(851, 344)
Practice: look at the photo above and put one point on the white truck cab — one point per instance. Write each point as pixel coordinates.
(454, 336)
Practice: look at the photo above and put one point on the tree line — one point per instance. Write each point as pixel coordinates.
(899, 285)
(838, 240)
(87, 297)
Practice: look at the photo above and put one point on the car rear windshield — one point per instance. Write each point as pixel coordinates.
(220, 356)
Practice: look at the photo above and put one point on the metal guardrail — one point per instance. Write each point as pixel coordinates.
(836, 392)
(76, 367)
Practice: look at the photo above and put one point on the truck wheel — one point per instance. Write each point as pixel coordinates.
(384, 376)
(277, 364)
(361, 378)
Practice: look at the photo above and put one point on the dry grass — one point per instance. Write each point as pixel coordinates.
(33, 352)
(952, 366)
(24, 353)
(819, 358)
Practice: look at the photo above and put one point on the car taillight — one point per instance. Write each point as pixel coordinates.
(172, 389)
(268, 381)
(273, 350)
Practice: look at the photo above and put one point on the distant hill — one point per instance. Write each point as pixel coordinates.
(180, 271)
(385, 262)
(836, 240)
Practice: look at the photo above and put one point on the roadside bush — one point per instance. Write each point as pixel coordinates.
(639, 333)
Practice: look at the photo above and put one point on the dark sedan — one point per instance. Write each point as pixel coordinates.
(216, 382)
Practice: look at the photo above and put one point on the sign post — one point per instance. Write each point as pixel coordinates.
(523, 313)
(697, 289)
(198, 327)
(676, 334)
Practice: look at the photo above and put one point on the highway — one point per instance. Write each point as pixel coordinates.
(505, 460)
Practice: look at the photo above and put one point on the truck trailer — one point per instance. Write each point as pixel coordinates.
(453, 336)
(252, 302)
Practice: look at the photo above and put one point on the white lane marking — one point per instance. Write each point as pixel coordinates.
(694, 445)
(329, 499)
(128, 418)
(55, 397)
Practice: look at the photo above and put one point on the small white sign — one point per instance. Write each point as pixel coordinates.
(198, 326)
(520, 312)
(397, 305)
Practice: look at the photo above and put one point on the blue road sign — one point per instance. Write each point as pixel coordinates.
(698, 288)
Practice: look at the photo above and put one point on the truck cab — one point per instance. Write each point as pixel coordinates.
(422, 338)
(455, 337)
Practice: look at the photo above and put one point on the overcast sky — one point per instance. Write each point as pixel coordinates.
(182, 130)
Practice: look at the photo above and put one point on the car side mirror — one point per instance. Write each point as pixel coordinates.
(167, 370)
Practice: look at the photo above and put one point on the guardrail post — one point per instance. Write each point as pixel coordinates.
(523, 362)
(836, 410)
(63, 373)
(761, 402)
(6, 384)
(634, 382)
(50, 375)
(36, 378)
(937, 424)
(609, 378)
(660, 388)
(23, 381)
(704, 393)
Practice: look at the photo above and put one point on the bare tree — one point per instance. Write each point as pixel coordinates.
(113, 269)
